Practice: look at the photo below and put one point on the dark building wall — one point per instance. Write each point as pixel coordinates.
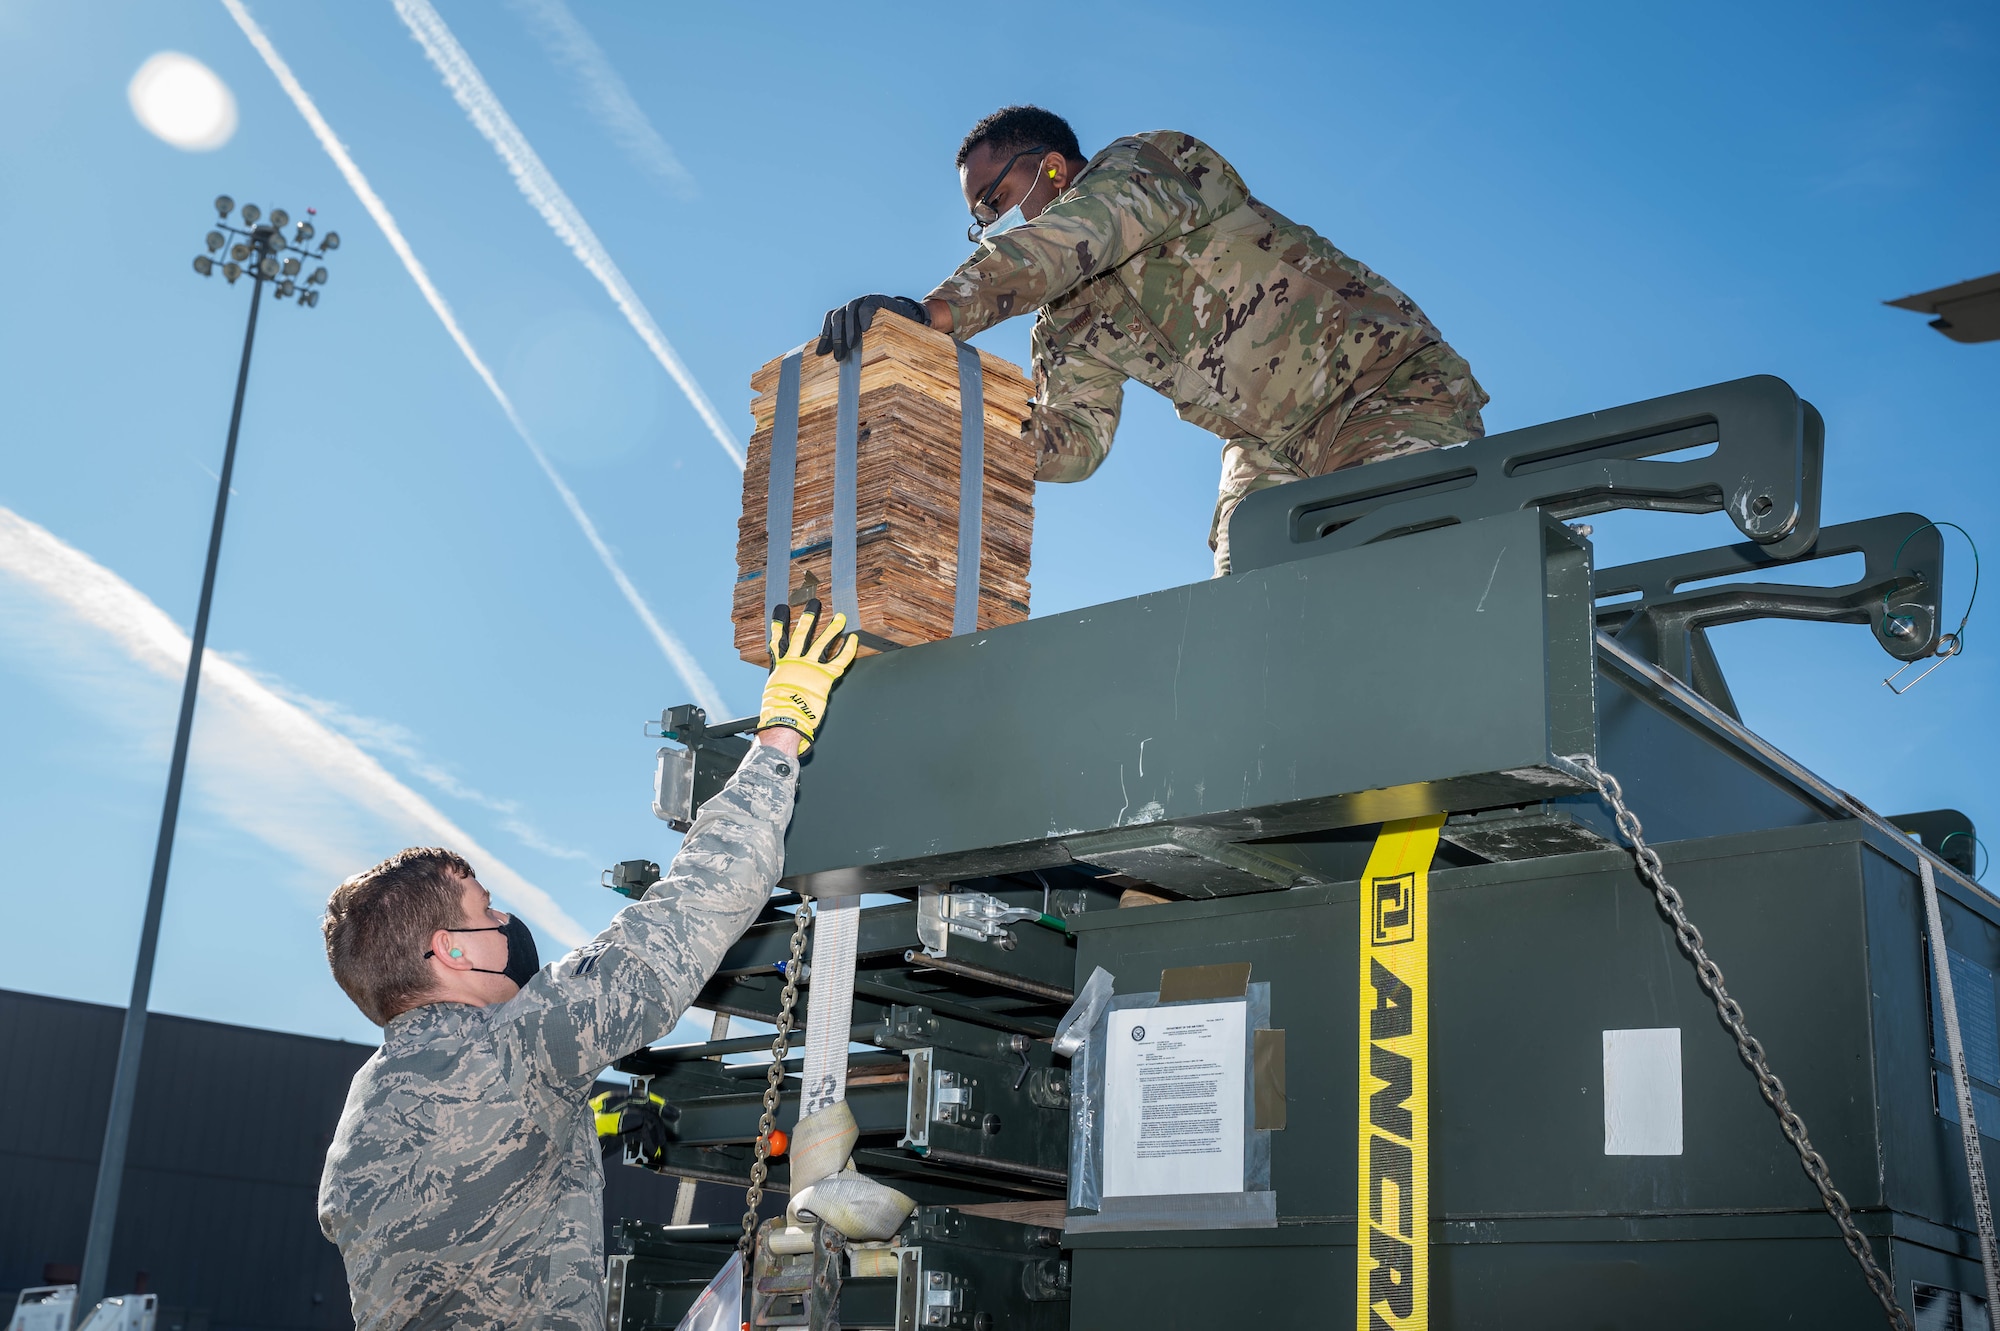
(229, 1130)
(229, 1133)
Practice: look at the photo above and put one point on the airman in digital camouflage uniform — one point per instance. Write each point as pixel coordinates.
(1153, 262)
(463, 1184)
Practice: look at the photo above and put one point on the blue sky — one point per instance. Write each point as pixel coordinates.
(1596, 205)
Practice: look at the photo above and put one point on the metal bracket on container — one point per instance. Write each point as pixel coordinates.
(917, 1122)
(1764, 473)
(951, 1096)
(944, 1296)
(1898, 596)
(631, 878)
(687, 778)
(925, 1298)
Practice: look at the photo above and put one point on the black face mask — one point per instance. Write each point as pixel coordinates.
(522, 959)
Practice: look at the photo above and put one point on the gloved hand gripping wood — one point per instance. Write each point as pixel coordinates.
(804, 665)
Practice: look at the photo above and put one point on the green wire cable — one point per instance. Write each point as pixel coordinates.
(1959, 635)
(1977, 846)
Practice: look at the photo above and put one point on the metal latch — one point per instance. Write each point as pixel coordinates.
(951, 1097)
(980, 916)
(944, 1295)
(926, 1297)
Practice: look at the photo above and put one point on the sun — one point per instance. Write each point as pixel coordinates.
(182, 101)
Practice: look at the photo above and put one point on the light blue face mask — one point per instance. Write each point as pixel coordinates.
(1013, 217)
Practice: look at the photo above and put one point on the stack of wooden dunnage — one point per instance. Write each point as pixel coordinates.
(907, 492)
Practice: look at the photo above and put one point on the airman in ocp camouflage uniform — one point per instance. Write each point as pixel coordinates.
(464, 1185)
(1153, 262)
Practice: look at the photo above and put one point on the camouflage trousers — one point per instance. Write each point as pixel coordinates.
(1429, 401)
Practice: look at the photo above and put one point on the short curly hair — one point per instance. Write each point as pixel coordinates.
(377, 923)
(1014, 129)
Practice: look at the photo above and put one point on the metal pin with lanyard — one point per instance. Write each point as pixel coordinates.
(1949, 644)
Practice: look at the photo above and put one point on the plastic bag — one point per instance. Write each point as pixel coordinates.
(1081, 1019)
(720, 1307)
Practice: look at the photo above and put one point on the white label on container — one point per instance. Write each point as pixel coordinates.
(1642, 1092)
(1173, 1100)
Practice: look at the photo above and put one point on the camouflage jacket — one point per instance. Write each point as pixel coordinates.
(464, 1185)
(1157, 265)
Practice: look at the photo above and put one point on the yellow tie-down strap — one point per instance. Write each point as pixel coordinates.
(1392, 1265)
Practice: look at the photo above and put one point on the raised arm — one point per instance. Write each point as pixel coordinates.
(629, 985)
(1134, 194)
(1075, 412)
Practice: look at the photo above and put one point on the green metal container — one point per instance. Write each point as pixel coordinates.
(1819, 930)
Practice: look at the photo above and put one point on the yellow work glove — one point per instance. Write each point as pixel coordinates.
(645, 1123)
(804, 665)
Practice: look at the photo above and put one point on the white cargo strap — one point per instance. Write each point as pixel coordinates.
(1968, 1128)
(830, 1012)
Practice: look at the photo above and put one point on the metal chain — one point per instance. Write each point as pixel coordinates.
(1709, 976)
(774, 1081)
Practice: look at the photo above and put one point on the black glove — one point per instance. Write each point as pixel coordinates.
(644, 1122)
(845, 324)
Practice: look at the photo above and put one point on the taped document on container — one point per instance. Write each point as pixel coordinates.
(1163, 1112)
(1175, 1122)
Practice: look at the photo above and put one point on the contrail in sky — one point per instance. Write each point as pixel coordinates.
(259, 741)
(692, 675)
(605, 94)
(462, 77)
(388, 737)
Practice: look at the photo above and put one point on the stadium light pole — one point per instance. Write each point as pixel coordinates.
(258, 249)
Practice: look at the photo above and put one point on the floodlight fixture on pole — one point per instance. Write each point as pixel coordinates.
(253, 246)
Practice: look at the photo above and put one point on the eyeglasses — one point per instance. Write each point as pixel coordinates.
(984, 214)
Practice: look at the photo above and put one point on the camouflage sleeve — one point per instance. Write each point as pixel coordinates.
(629, 985)
(1132, 196)
(1075, 410)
